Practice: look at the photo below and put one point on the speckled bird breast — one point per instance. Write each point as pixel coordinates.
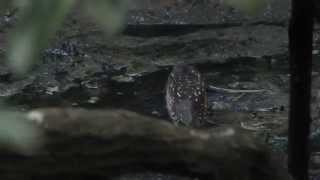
(186, 96)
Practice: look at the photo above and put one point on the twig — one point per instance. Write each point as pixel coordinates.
(225, 90)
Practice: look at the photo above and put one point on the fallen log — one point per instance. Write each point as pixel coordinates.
(81, 144)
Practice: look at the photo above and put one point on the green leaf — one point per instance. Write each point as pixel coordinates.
(16, 134)
(251, 7)
(39, 20)
(110, 14)
(5, 5)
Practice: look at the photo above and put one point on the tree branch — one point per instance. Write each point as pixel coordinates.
(104, 144)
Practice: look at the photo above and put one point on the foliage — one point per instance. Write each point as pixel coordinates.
(40, 19)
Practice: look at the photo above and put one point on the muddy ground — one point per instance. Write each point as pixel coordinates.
(84, 68)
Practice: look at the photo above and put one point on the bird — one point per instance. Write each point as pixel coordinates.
(186, 97)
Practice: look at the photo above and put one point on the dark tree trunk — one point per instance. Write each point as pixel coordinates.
(300, 47)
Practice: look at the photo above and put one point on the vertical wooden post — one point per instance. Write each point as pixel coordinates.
(300, 47)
